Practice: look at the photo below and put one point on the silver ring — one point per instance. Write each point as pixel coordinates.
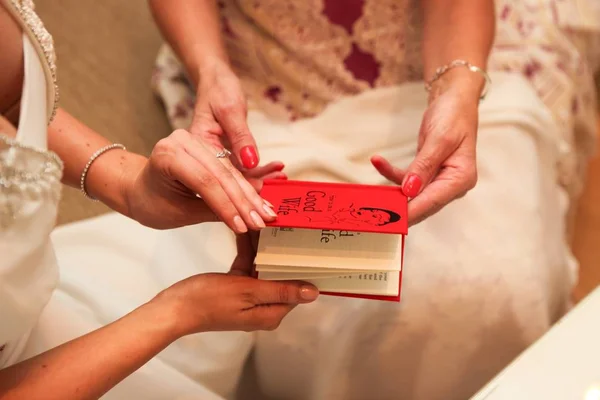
(223, 153)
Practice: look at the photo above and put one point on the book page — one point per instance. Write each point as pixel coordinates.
(302, 275)
(329, 249)
(375, 283)
(288, 269)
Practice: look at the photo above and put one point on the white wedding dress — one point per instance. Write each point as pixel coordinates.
(483, 278)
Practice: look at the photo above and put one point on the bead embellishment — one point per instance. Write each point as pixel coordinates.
(93, 158)
(25, 173)
(26, 9)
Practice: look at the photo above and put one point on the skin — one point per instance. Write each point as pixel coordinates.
(160, 192)
(445, 164)
(89, 366)
(444, 168)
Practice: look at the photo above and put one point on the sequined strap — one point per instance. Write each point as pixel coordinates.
(23, 12)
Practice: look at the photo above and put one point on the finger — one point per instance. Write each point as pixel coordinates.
(451, 184)
(244, 261)
(289, 292)
(257, 184)
(426, 164)
(264, 208)
(262, 171)
(187, 170)
(233, 121)
(228, 182)
(387, 170)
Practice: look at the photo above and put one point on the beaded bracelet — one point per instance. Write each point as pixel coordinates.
(93, 158)
(460, 63)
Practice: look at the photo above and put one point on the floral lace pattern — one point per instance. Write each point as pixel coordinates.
(295, 57)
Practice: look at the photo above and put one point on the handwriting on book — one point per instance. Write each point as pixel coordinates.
(310, 203)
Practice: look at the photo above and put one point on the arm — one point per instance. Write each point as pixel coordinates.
(444, 168)
(160, 191)
(109, 175)
(193, 30)
(89, 366)
(457, 29)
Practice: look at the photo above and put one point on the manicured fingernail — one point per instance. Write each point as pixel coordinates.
(257, 219)
(309, 293)
(239, 224)
(268, 203)
(269, 211)
(411, 186)
(249, 157)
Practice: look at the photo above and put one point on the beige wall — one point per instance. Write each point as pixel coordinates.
(106, 51)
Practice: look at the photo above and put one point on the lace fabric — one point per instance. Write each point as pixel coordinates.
(26, 174)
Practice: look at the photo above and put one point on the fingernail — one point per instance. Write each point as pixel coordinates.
(269, 211)
(257, 219)
(249, 157)
(239, 224)
(268, 203)
(411, 186)
(309, 293)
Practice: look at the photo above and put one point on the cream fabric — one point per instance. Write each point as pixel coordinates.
(483, 278)
(29, 194)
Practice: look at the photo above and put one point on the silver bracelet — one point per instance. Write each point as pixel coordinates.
(460, 63)
(93, 158)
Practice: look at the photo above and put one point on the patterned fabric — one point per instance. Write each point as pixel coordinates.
(297, 56)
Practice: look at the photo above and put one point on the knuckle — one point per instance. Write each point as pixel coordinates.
(468, 179)
(448, 141)
(223, 175)
(425, 163)
(165, 145)
(272, 324)
(284, 294)
(179, 134)
(472, 179)
(206, 180)
(229, 106)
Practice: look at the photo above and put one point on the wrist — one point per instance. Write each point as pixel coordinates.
(212, 68)
(173, 315)
(162, 319)
(110, 177)
(461, 81)
(209, 66)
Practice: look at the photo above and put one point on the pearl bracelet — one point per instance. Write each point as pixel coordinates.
(93, 158)
(460, 63)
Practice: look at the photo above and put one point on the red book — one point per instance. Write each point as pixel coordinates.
(346, 239)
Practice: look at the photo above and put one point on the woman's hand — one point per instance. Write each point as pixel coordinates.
(445, 166)
(234, 301)
(220, 114)
(161, 192)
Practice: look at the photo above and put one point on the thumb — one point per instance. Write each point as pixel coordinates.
(424, 167)
(288, 292)
(242, 142)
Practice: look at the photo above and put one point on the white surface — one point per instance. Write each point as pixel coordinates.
(563, 364)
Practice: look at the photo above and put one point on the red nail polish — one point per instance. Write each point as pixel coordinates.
(411, 186)
(249, 157)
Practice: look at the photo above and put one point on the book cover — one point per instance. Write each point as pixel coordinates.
(347, 239)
